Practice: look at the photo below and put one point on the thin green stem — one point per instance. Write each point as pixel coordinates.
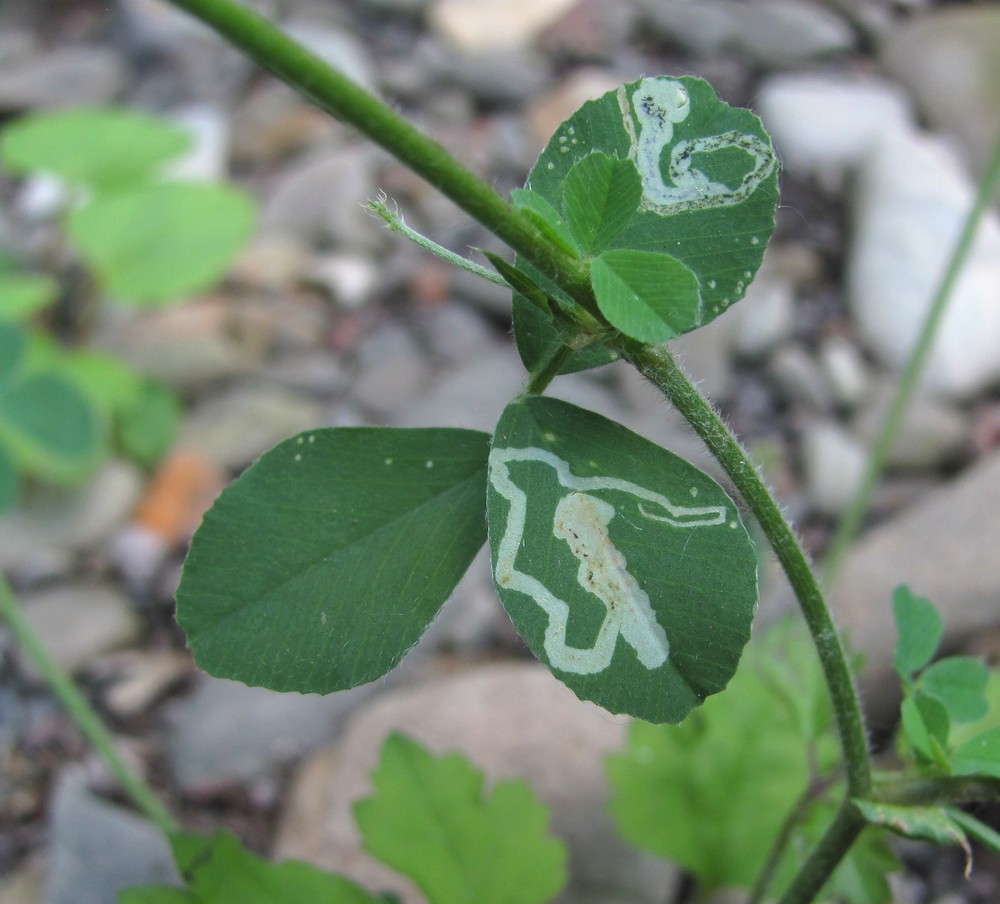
(851, 520)
(338, 95)
(659, 367)
(781, 842)
(82, 713)
(394, 220)
(832, 848)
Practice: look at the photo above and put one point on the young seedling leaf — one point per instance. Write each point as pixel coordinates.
(321, 566)
(431, 819)
(539, 336)
(219, 870)
(919, 626)
(979, 756)
(49, 427)
(156, 244)
(926, 725)
(100, 147)
(959, 683)
(626, 569)
(650, 297)
(600, 197)
(708, 176)
(22, 295)
(146, 428)
(546, 218)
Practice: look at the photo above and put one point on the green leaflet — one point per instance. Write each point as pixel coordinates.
(626, 569)
(323, 564)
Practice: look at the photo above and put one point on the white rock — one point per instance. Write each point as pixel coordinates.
(909, 205)
(704, 26)
(822, 125)
(511, 720)
(350, 279)
(834, 462)
(208, 158)
(472, 25)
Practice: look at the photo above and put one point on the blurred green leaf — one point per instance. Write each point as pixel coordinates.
(926, 725)
(219, 870)
(23, 294)
(979, 755)
(148, 424)
(431, 819)
(156, 244)
(49, 427)
(13, 353)
(100, 147)
(959, 684)
(919, 626)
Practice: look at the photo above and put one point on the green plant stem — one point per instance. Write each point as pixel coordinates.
(831, 850)
(781, 842)
(851, 520)
(338, 95)
(82, 713)
(659, 367)
(917, 791)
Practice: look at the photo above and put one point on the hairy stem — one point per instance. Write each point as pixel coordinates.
(659, 367)
(832, 848)
(910, 378)
(333, 92)
(82, 713)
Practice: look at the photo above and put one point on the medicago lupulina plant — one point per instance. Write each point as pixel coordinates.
(628, 571)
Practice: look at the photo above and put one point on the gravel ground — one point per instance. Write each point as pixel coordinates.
(329, 319)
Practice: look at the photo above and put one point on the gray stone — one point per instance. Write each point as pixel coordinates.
(765, 316)
(799, 379)
(322, 200)
(472, 395)
(822, 124)
(393, 373)
(235, 426)
(97, 849)
(318, 372)
(455, 333)
(78, 624)
(834, 461)
(227, 733)
(56, 518)
(779, 33)
(944, 548)
(931, 435)
(949, 59)
(705, 354)
(911, 199)
(496, 76)
(185, 346)
(336, 48)
(64, 77)
(511, 720)
(705, 27)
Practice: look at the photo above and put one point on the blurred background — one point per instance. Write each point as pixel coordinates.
(883, 114)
